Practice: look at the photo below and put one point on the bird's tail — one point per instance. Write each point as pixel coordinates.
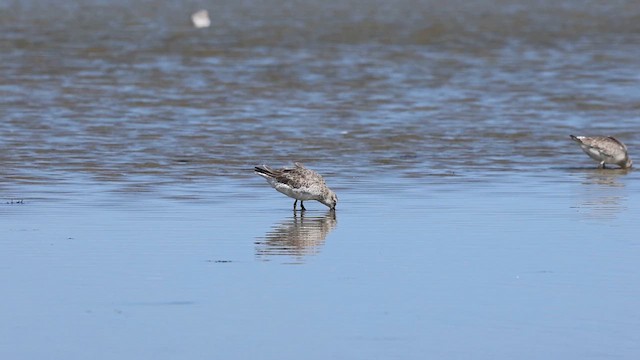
(576, 139)
(263, 171)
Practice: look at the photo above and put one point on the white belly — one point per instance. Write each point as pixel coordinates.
(594, 153)
(299, 194)
(600, 156)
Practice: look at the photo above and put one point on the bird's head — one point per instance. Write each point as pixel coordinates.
(330, 199)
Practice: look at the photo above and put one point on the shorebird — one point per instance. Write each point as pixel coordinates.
(299, 183)
(605, 150)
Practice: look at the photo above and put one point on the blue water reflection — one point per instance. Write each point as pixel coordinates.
(296, 237)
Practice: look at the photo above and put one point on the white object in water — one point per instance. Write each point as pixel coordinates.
(201, 19)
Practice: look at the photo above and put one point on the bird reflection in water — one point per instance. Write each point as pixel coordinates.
(297, 237)
(604, 196)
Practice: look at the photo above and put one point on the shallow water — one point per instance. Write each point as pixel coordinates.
(469, 225)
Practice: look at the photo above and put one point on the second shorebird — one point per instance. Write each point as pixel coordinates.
(299, 183)
(605, 150)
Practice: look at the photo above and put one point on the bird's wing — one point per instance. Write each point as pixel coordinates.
(618, 142)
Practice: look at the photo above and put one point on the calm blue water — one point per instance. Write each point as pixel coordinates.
(525, 266)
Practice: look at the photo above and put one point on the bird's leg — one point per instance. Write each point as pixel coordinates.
(601, 165)
(295, 203)
(302, 205)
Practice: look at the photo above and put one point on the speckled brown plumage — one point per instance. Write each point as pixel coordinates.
(299, 183)
(605, 150)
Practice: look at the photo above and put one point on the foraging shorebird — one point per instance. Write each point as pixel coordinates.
(605, 150)
(299, 183)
